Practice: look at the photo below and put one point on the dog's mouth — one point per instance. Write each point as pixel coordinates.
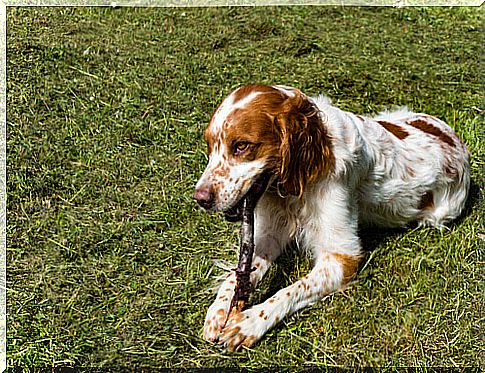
(253, 195)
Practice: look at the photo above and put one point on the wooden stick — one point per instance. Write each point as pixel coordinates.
(243, 270)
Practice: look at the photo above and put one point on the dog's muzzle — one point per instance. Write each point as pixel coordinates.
(253, 195)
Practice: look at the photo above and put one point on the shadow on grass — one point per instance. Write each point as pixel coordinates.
(286, 264)
(473, 200)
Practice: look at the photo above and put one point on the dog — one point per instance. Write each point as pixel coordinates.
(325, 172)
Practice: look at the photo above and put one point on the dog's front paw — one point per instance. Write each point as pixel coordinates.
(244, 329)
(214, 322)
(217, 313)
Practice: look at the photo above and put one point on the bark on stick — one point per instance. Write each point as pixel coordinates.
(243, 270)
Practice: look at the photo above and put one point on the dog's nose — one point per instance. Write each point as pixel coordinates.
(204, 197)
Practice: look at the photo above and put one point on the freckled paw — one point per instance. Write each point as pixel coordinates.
(233, 339)
(249, 341)
(241, 330)
(213, 325)
(210, 333)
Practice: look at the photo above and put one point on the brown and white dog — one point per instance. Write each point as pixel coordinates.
(325, 171)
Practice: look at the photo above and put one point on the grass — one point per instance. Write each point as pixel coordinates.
(110, 260)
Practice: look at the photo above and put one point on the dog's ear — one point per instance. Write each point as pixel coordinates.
(305, 152)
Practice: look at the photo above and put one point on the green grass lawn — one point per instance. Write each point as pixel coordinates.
(109, 258)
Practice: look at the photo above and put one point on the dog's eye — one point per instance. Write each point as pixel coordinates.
(241, 147)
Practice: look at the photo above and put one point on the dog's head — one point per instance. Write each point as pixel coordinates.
(259, 134)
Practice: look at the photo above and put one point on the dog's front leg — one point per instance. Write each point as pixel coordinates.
(337, 254)
(330, 273)
(270, 238)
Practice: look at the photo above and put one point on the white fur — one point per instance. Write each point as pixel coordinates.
(378, 179)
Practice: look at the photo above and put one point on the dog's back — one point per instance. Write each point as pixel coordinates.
(405, 166)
